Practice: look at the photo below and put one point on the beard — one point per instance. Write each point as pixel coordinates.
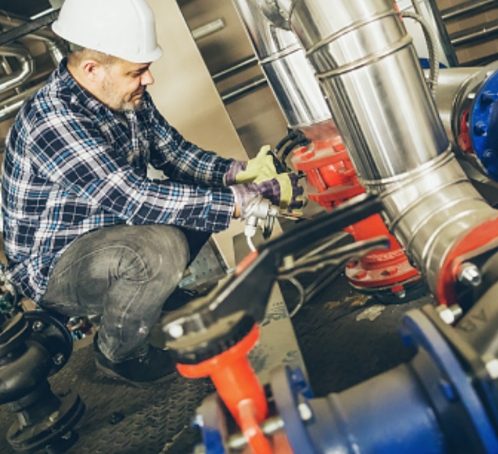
(120, 103)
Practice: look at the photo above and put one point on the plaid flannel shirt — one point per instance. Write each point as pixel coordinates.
(72, 166)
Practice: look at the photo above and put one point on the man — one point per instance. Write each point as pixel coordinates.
(86, 231)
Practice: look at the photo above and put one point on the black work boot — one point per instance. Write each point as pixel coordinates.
(179, 298)
(153, 365)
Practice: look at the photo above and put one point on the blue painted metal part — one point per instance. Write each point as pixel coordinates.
(213, 425)
(287, 395)
(483, 126)
(426, 335)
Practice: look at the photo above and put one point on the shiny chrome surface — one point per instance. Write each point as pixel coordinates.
(374, 85)
(370, 74)
(288, 72)
(26, 70)
(452, 83)
(430, 209)
(430, 11)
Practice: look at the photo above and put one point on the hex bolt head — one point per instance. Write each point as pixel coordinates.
(449, 314)
(58, 359)
(491, 364)
(38, 326)
(54, 417)
(175, 331)
(468, 274)
(305, 411)
(480, 128)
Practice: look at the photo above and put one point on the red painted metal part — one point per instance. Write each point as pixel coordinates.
(334, 180)
(239, 388)
(469, 245)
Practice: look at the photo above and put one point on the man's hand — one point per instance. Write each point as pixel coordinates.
(256, 170)
(283, 191)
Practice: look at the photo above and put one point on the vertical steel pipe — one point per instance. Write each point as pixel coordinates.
(369, 71)
(288, 72)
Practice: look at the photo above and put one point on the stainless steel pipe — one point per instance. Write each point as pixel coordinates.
(375, 88)
(288, 72)
(27, 66)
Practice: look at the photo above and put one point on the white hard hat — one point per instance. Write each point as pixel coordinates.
(121, 28)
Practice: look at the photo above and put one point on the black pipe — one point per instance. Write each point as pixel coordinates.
(467, 9)
(475, 34)
(28, 28)
(235, 69)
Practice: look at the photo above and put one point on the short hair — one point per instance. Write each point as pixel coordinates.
(78, 54)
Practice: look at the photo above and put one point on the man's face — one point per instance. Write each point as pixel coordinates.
(124, 84)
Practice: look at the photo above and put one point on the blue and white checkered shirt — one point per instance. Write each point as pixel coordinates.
(72, 166)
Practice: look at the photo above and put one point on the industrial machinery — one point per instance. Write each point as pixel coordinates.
(444, 400)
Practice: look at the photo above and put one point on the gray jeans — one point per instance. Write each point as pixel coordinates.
(125, 273)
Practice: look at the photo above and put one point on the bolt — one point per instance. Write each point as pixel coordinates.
(175, 331)
(449, 314)
(488, 157)
(67, 436)
(488, 97)
(491, 364)
(305, 411)
(54, 417)
(468, 274)
(448, 390)
(58, 359)
(401, 294)
(197, 421)
(480, 128)
(38, 326)
(288, 262)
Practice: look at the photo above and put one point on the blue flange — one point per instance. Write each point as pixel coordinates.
(483, 126)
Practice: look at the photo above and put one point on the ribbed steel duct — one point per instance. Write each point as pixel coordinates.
(375, 88)
(26, 70)
(288, 72)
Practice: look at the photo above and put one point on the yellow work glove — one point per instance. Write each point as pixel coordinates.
(261, 168)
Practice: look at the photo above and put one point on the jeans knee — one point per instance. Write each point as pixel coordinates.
(161, 252)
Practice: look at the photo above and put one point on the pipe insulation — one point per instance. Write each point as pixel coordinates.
(288, 72)
(369, 72)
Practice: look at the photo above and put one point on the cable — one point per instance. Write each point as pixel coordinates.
(300, 140)
(431, 40)
(302, 295)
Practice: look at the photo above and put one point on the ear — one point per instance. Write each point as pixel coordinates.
(92, 70)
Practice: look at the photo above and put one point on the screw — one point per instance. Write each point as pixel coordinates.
(305, 411)
(58, 359)
(480, 128)
(38, 326)
(54, 417)
(491, 364)
(468, 274)
(449, 314)
(488, 97)
(488, 157)
(175, 331)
